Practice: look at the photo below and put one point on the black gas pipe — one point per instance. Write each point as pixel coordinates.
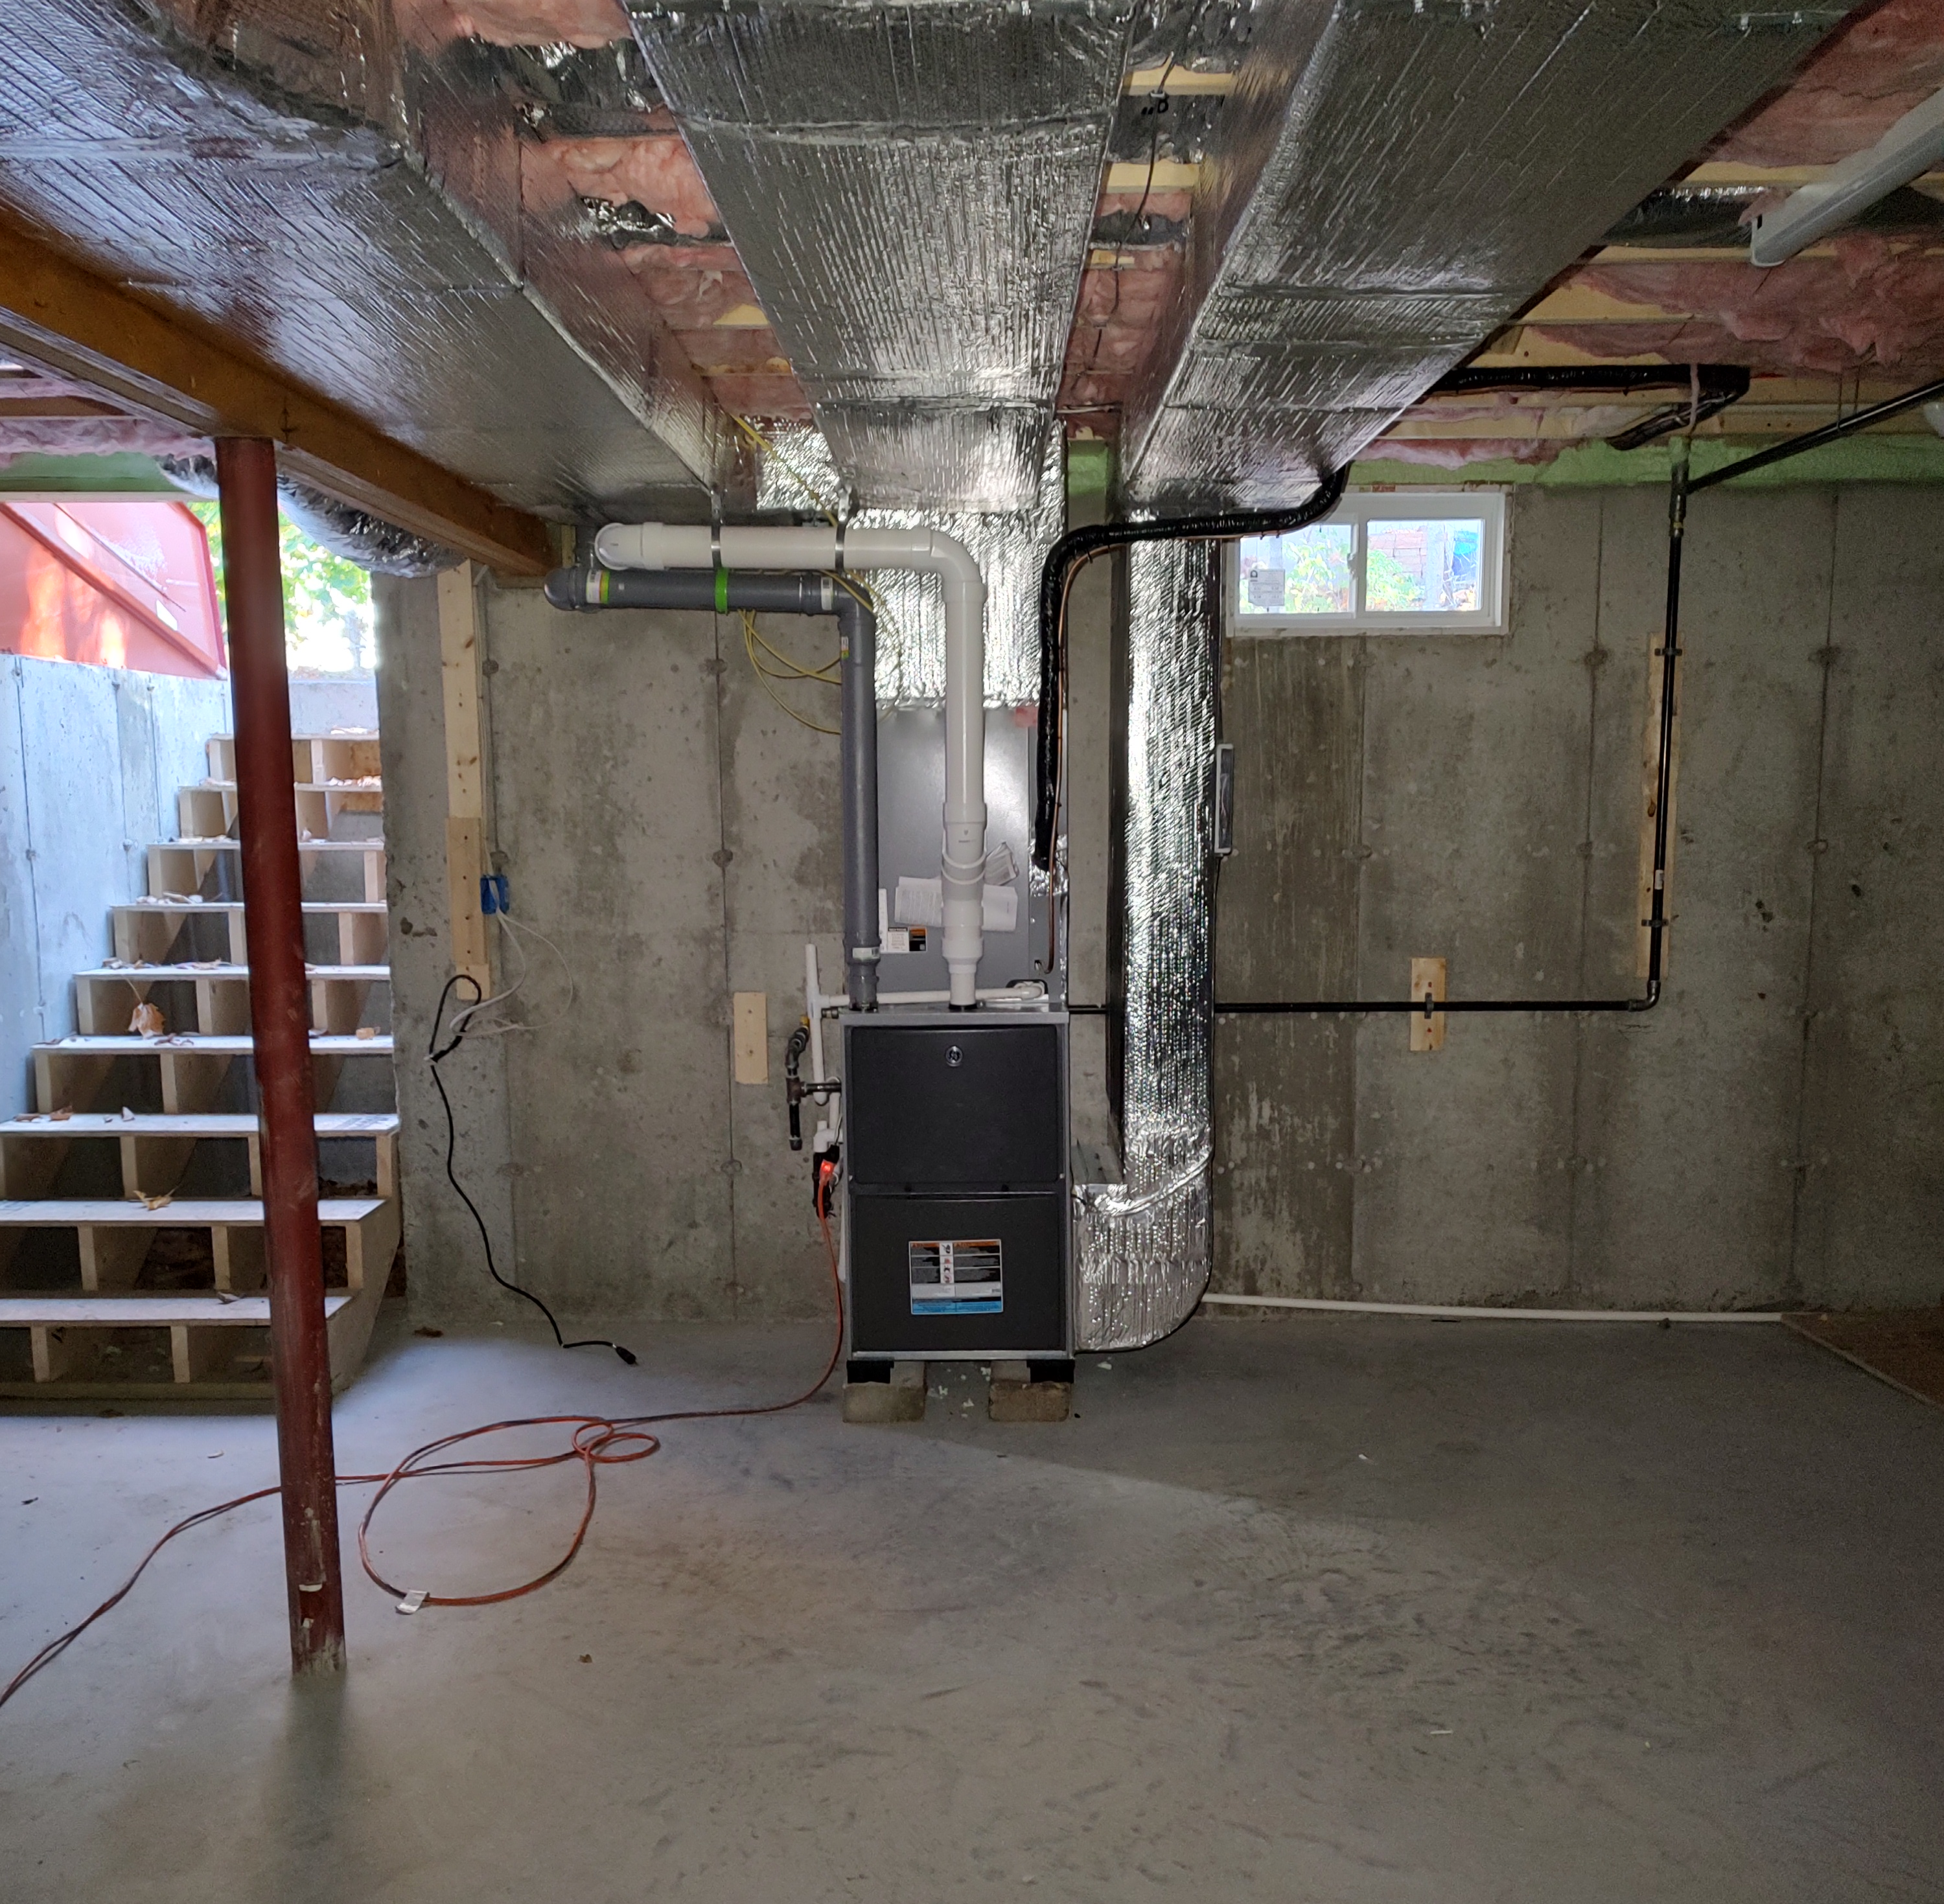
(1080, 545)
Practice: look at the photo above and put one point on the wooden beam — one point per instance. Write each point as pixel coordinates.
(1164, 175)
(1179, 79)
(465, 780)
(60, 315)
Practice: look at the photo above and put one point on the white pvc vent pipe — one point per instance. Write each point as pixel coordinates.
(924, 552)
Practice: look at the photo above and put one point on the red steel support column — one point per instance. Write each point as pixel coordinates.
(280, 1021)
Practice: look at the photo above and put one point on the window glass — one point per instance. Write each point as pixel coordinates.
(1306, 572)
(1428, 567)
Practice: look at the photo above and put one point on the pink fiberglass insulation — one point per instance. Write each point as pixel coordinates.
(517, 22)
(1118, 313)
(1866, 75)
(693, 285)
(655, 172)
(1874, 303)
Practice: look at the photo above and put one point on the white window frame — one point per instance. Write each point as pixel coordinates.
(1360, 508)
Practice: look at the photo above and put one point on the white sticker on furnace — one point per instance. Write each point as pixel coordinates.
(962, 1277)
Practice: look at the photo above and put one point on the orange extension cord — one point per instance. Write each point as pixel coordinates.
(597, 1441)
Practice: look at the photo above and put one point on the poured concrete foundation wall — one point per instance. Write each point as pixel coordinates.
(1774, 1131)
(677, 837)
(90, 761)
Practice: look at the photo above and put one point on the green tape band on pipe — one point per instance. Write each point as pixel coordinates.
(722, 591)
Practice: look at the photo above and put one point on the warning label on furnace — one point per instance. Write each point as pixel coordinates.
(961, 1277)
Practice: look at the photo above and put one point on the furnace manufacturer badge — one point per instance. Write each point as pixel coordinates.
(963, 1277)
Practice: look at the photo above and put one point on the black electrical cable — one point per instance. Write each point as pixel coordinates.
(1080, 545)
(438, 1054)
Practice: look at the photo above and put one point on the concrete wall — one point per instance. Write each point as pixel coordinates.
(1771, 1133)
(90, 761)
(1774, 1131)
(676, 836)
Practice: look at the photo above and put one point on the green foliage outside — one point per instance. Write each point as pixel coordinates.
(327, 625)
(1317, 564)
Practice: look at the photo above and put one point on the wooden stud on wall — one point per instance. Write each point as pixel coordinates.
(1427, 975)
(1650, 779)
(752, 1037)
(465, 787)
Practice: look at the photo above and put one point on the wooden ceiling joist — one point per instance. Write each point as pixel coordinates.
(63, 318)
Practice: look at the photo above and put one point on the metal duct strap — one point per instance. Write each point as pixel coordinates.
(1395, 178)
(910, 189)
(1142, 1246)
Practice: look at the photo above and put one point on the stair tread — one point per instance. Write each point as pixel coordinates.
(239, 1212)
(218, 968)
(324, 734)
(199, 1123)
(233, 1044)
(299, 786)
(150, 1312)
(154, 902)
(223, 843)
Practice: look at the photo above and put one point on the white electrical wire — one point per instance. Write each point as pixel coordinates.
(1465, 1312)
(462, 1020)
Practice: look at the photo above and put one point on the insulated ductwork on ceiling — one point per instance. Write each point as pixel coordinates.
(1142, 1246)
(348, 199)
(910, 189)
(1393, 182)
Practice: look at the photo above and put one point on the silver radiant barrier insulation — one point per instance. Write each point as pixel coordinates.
(1009, 548)
(1393, 180)
(912, 189)
(346, 191)
(1142, 1247)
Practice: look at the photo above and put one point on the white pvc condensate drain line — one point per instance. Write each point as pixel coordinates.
(923, 551)
(1465, 1312)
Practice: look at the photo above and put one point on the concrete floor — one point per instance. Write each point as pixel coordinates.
(1305, 1610)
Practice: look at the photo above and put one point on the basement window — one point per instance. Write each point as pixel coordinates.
(1430, 562)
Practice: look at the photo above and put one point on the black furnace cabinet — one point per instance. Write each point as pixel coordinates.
(955, 1174)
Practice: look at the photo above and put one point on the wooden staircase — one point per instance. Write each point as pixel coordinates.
(131, 1249)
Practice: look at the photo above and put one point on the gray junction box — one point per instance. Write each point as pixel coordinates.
(955, 1183)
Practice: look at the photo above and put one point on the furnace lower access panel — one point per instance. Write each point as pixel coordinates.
(956, 1184)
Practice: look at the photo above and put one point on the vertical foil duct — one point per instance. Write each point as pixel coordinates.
(1142, 1247)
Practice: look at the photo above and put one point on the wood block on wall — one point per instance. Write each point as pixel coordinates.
(752, 1037)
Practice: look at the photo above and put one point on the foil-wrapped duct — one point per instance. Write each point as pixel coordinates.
(1393, 180)
(341, 190)
(798, 472)
(911, 188)
(378, 547)
(1141, 1246)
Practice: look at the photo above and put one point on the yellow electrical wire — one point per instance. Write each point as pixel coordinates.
(793, 670)
(765, 679)
(859, 591)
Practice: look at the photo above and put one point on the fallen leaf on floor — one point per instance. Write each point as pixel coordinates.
(587, 1659)
(160, 1202)
(61, 1115)
(148, 1022)
(368, 1031)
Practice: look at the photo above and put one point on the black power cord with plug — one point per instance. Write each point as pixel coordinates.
(437, 1054)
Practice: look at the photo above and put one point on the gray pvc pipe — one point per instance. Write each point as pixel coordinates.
(720, 589)
(857, 639)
